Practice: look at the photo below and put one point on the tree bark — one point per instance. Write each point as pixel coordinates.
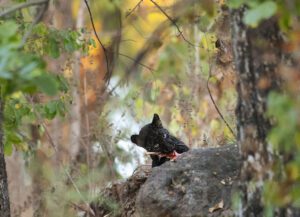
(4, 196)
(76, 122)
(257, 54)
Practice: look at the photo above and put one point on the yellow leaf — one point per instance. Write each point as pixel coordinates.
(214, 125)
(292, 171)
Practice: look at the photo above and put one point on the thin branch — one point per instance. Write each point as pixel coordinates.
(216, 107)
(98, 39)
(149, 45)
(137, 62)
(114, 45)
(83, 208)
(21, 6)
(209, 91)
(37, 19)
(174, 23)
(131, 11)
(104, 49)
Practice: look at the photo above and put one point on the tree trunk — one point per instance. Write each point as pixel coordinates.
(4, 196)
(257, 53)
(76, 122)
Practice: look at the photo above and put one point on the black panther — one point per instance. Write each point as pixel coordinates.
(160, 144)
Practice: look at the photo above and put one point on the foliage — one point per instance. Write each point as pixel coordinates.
(259, 10)
(284, 138)
(175, 88)
(53, 42)
(283, 107)
(23, 71)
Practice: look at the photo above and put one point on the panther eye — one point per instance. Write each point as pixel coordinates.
(156, 145)
(165, 135)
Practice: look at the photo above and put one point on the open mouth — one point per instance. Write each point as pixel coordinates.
(172, 156)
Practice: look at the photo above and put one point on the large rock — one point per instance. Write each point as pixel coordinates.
(201, 179)
(199, 183)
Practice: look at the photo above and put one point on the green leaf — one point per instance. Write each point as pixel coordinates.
(61, 108)
(62, 83)
(263, 11)
(28, 68)
(51, 110)
(92, 42)
(47, 84)
(13, 138)
(53, 47)
(8, 149)
(8, 29)
(235, 3)
(41, 29)
(70, 41)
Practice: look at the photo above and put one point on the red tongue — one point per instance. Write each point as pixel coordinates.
(173, 155)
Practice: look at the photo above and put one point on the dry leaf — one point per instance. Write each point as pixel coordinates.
(219, 205)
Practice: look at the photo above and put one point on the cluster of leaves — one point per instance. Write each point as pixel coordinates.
(53, 42)
(23, 73)
(19, 111)
(284, 137)
(19, 70)
(259, 10)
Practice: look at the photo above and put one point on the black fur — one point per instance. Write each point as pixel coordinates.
(154, 138)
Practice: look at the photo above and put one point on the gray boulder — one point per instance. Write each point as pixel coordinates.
(200, 183)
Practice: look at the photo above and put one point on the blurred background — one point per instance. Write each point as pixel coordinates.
(159, 57)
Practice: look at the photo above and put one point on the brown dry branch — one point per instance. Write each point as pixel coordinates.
(40, 14)
(109, 72)
(173, 21)
(131, 11)
(216, 107)
(211, 97)
(98, 39)
(21, 6)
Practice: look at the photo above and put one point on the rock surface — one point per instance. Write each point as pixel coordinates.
(199, 183)
(201, 179)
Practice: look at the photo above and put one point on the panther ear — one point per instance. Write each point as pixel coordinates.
(156, 121)
(134, 138)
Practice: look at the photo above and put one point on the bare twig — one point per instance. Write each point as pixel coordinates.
(216, 107)
(131, 11)
(98, 39)
(114, 46)
(209, 91)
(84, 208)
(137, 62)
(37, 19)
(110, 160)
(174, 23)
(150, 44)
(214, 102)
(105, 50)
(21, 6)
